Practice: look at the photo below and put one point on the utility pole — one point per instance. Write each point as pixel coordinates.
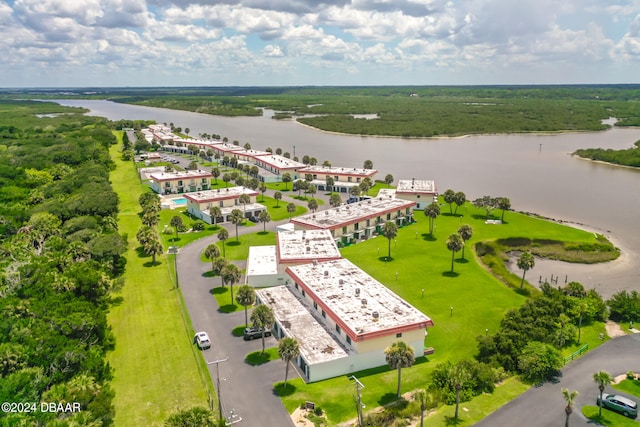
(359, 386)
(217, 363)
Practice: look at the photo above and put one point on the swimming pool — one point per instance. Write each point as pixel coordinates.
(180, 201)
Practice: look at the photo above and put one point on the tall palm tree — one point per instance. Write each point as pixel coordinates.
(246, 297)
(264, 218)
(291, 208)
(153, 247)
(454, 244)
(526, 262)
(458, 375)
(603, 379)
(244, 199)
(277, 195)
(223, 235)
(212, 252)
(426, 400)
(465, 231)
(399, 355)
(215, 212)
(231, 275)
(569, 397)
(288, 350)
(236, 218)
(390, 231)
(263, 189)
(335, 200)
(432, 211)
(177, 224)
(262, 317)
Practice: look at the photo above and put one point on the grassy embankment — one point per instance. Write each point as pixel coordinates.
(157, 372)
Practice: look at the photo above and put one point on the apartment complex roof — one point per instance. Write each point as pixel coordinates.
(316, 344)
(341, 216)
(281, 162)
(172, 176)
(219, 194)
(262, 261)
(339, 171)
(363, 307)
(416, 186)
(306, 245)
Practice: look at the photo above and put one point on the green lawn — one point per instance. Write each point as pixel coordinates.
(157, 371)
(423, 262)
(608, 418)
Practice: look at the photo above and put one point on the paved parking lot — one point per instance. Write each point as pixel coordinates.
(246, 389)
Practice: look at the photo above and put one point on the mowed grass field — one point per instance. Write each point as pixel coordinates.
(463, 305)
(157, 372)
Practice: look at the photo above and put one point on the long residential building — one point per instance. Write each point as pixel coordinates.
(343, 178)
(227, 199)
(180, 182)
(342, 318)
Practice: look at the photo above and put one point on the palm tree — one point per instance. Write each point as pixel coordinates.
(432, 211)
(329, 183)
(153, 247)
(216, 173)
(312, 205)
(335, 200)
(176, 223)
(526, 262)
(603, 379)
(277, 195)
(246, 297)
(291, 208)
(458, 375)
(262, 317)
(454, 244)
(368, 164)
(231, 275)
(449, 197)
(426, 401)
(212, 252)
(390, 231)
(503, 203)
(244, 199)
(218, 265)
(399, 355)
(236, 217)
(215, 212)
(460, 198)
(286, 178)
(388, 179)
(569, 397)
(223, 235)
(465, 231)
(264, 218)
(263, 189)
(288, 350)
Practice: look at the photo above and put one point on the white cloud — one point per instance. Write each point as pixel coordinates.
(272, 51)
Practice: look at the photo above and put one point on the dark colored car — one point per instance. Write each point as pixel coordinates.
(253, 333)
(620, 404)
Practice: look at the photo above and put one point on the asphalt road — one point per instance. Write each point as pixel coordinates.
(543, 406)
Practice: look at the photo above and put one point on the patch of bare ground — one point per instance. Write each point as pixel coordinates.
(614, 329)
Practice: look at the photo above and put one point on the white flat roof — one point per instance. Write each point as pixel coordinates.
(262, 261)
(361, 305)
(219, 194)
(355, 212)
(335, 170)
(306, 245)
(316, 344)
(280, 162)
(171, 176)
(416, 186)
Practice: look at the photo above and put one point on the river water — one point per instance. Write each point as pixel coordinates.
(536, 172)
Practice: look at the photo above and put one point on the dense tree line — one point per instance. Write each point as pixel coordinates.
(61, 257)
(626, 157)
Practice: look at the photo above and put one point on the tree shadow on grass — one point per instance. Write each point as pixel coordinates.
(385, 259)
(228, 308)
(219, 290)
(282, 391)
(234, 243)
(429, 237)
(387, 398)
(151, 263)
(209, 273)
(238, 331)
(262, 233)
(452, 421)
(461, 261)
(450, 273)
(257, 358)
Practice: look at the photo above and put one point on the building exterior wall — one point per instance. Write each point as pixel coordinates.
(180, 185)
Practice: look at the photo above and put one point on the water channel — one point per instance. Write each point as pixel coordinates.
(536, 172)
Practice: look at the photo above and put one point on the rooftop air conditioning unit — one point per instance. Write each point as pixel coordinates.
(357, 292)
(375, 315)
(364, 302)
(326, 273)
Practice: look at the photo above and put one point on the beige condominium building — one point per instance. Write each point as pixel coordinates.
(342, 318)
(180, 182)
(227, 199)
(343, 178)
(423, 192)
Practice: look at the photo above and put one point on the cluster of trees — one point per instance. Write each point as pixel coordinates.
(489, 203)
(626, 157)
(61, 258)
(147, 235)
(531, 336)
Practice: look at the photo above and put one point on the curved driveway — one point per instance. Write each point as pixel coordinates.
(544, 406)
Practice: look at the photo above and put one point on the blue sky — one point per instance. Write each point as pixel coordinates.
(77, 43)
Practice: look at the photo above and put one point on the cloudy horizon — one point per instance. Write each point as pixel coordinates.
(82, 43)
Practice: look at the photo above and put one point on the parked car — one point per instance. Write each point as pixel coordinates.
(617, 403)
(202, 339)
(252, 332)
